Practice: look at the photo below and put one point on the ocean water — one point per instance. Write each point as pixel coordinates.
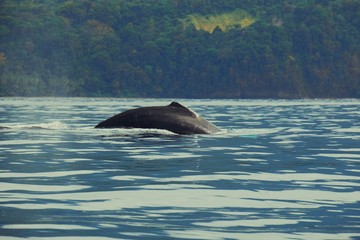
(278, 170)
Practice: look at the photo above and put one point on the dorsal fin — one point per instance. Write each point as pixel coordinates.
(178, 105)
(187, 111)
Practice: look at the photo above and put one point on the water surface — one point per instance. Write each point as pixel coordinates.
(278, 170)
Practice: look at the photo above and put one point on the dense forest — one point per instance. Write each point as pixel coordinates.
(180, 48)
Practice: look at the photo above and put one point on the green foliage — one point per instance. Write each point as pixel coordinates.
(225, 21)
(140, 48)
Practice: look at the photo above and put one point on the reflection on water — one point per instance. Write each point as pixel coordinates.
(278, 170)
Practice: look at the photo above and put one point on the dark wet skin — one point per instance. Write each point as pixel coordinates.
(174, 117)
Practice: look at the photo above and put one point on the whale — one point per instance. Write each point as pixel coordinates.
(174, 117)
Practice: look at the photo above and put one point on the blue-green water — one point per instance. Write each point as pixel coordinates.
(278, 170)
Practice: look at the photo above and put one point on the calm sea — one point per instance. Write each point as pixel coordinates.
(278, 170)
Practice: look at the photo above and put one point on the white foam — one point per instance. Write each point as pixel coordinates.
(56, 125)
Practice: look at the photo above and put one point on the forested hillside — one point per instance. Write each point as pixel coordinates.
(180, 48)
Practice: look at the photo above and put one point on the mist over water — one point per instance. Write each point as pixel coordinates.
(278, 170)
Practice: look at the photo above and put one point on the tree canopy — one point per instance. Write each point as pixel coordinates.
(180, 48)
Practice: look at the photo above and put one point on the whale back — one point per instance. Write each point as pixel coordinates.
(173, 117)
